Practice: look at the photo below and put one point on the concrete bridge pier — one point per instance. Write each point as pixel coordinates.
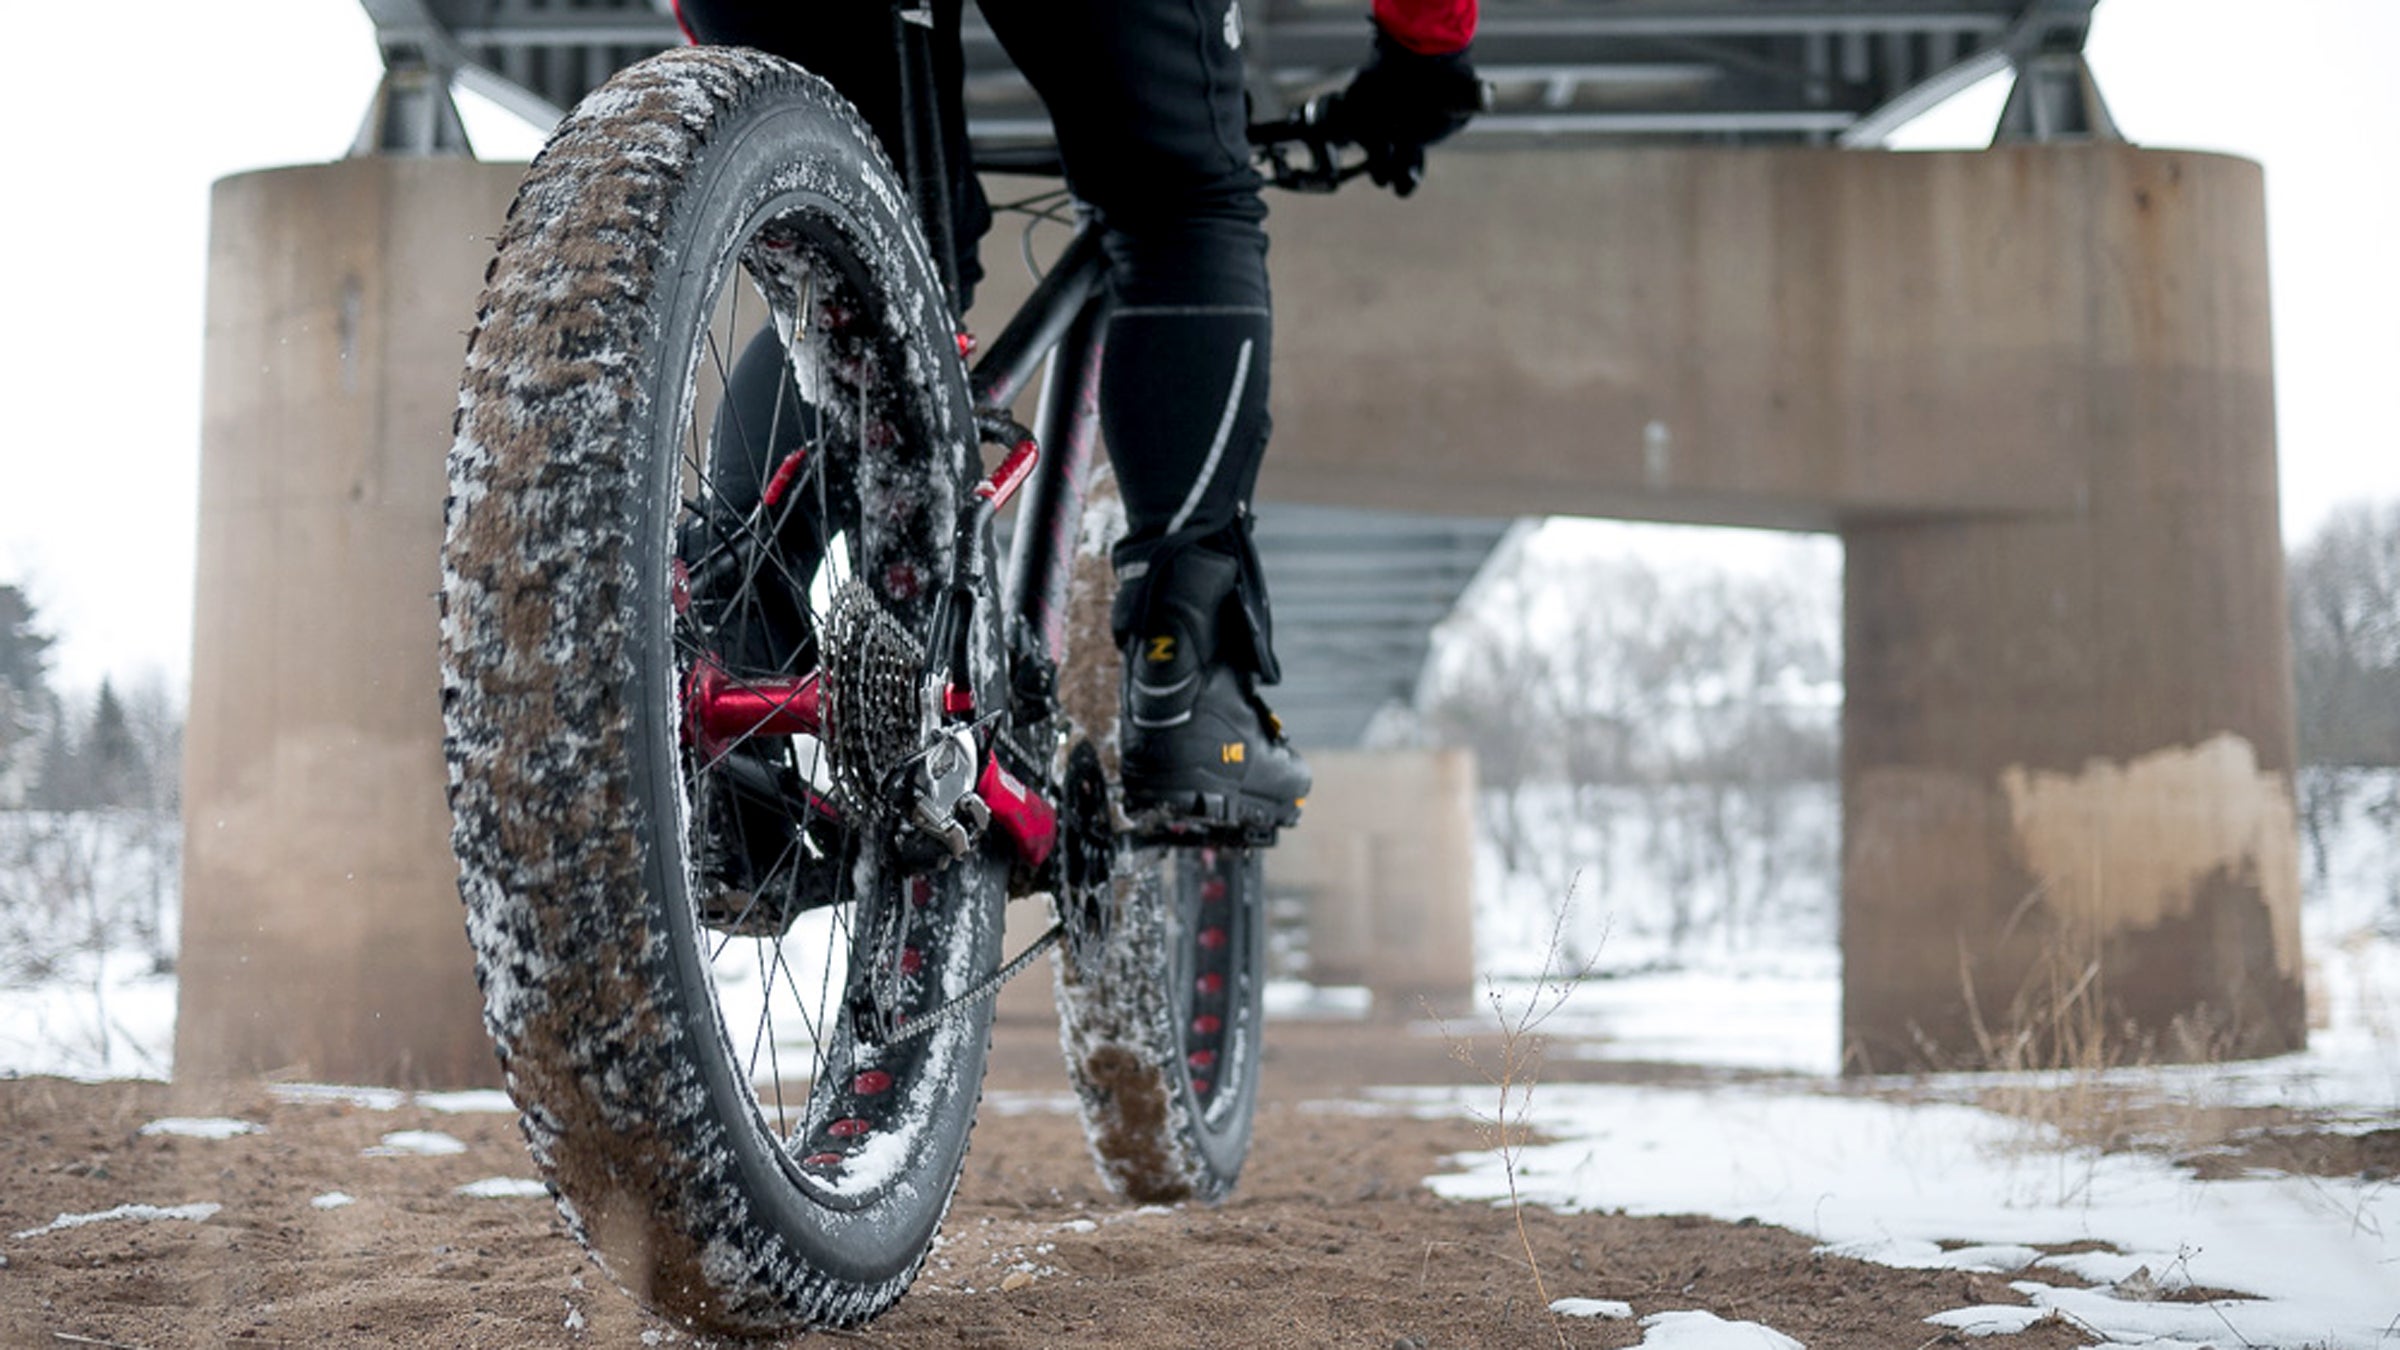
(2031, 388)
(322, 933)
(1386, 861)
(2067, 768)
(2067, 737)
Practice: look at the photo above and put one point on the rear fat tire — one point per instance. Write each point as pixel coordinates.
(562, 695)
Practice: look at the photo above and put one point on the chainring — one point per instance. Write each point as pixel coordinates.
(1087, 891)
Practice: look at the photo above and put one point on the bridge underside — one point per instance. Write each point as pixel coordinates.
(1751, 72)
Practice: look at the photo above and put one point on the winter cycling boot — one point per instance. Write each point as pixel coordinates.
(1200, 754)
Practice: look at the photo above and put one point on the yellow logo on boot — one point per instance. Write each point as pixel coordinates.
(1232, 752)
(1162, 648)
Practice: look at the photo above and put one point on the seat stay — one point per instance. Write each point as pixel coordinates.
(1041, 564)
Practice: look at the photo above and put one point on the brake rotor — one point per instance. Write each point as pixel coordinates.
(1087, 896)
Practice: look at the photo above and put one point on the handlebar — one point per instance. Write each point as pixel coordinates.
(1318, 166)
(1298, 152)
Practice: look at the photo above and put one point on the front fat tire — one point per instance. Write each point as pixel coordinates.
(1159, 1130)
(561, 700)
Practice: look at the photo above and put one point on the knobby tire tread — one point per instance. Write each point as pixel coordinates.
(1151, 1137)
(542, 706)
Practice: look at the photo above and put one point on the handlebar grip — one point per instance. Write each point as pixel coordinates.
(1305, 123)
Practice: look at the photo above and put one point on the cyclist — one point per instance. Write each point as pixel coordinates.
(1146, 97)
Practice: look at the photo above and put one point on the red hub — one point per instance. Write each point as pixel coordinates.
(721, 710)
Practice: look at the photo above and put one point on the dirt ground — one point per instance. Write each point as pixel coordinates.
(1331, 1241)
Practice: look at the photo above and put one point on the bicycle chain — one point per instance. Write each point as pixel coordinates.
(984, 989)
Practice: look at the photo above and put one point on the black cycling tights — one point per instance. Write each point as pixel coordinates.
(1146, 96)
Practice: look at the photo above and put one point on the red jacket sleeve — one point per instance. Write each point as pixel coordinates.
(1433, 27)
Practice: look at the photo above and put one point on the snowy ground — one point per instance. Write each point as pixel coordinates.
(1916, 1173)
(1934, 1184)
(108, 1016)
(1913, 1173)
(87, 900)
(1910, 1173)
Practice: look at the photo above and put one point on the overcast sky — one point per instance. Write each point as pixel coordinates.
(118, 133)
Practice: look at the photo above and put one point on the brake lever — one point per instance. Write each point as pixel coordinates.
(1323, 170)
(1319, 166)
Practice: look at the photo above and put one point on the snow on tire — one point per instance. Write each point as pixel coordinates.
(565, 664)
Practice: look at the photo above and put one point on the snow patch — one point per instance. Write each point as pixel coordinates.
(194, 1213)
(364, 1098)
(1608, 1308)
(1997, 1258)
(1893, 1182)
(1002, 1102)
(1298, 998)
(416, 1144)
(2113, 1268)
(2218, 1322)
(1993, 1258)
(477, 1101)
(1706, 1331)
(503, 1188)
(332, 1200)
(201, 1127)
(1990, 1319)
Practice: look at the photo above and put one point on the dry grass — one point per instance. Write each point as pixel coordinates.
(2070, 1069)
(1512, 1069)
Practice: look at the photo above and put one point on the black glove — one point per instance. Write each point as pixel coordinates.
(1400, 102)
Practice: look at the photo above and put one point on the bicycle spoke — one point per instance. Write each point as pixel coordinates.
(818, 1039)
(759, 1032)
(763, 581)
(766, 1016)
(763, 549)
(819, 467)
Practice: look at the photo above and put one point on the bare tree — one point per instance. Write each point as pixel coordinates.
(152, 807)
(25, 702)
(2345, 602)
(91, 858)
(1487, 696)
(2344, 586)
(1690, 705)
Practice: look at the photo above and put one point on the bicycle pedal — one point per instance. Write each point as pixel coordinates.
(1210, 820)
(1209, 836)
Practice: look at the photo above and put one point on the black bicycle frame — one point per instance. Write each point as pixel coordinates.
(920, 149)
(1062, 321)
(1064, 318)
